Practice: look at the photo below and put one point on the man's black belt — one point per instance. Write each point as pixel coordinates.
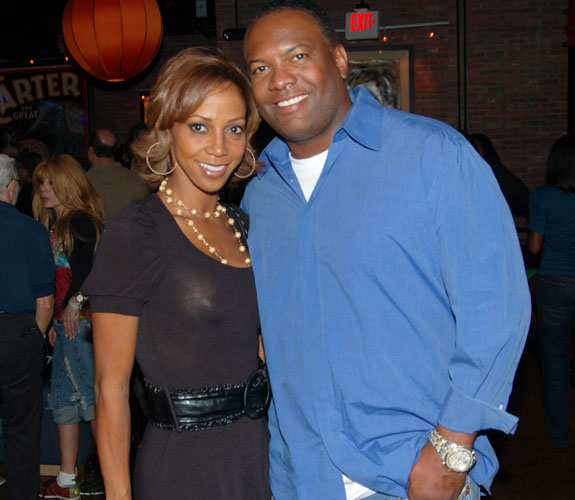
(201, 409)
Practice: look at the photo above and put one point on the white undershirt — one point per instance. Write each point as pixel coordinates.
(307, 171)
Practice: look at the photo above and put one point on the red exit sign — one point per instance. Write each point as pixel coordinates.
(361, 24)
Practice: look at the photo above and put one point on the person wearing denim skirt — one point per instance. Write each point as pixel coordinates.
(71, 397)
(67, 204)
(552, 228)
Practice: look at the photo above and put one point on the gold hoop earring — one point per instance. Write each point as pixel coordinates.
(253, 167)
(161, 174)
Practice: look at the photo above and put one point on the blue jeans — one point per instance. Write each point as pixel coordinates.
(470, 492)
(555, 300)
(72, 396)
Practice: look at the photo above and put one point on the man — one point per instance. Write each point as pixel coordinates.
(27, 276)
(26, 163)
(393, 298)
(118, 186)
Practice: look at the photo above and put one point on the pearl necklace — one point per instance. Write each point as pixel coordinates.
(219, 211)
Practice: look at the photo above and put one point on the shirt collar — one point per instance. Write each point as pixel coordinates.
(363, 124)
(4, 205)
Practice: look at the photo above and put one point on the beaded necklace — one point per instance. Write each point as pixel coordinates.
(218, 212)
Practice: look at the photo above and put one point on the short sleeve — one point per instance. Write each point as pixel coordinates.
(127, 264)
(537, 218)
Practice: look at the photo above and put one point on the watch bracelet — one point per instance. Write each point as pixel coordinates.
(443, 446)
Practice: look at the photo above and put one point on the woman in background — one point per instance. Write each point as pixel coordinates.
(67, 204)
(172, 287)
(552, 221)
(514, 190)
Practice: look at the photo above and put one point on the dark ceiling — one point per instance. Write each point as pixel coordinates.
(31, 29)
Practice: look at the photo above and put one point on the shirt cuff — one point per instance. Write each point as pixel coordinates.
(461, 413)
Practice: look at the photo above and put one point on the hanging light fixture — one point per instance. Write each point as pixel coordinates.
(113, 40)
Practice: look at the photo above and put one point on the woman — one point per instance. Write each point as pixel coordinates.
(172, 287)
(66, 203)
(552, 219)
(514, 190)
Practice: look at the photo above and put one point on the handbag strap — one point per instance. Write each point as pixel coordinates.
(240, 218)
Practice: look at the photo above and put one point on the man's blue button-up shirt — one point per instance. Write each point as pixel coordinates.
(393, 300)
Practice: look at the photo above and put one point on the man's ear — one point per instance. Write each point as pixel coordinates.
(13, 191)
(340, 58)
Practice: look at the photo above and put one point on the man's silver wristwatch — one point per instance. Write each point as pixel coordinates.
(456, 457)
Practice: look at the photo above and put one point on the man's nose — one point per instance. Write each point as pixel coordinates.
(282, 78)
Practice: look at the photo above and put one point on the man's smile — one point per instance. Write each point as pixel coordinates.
(291, 101)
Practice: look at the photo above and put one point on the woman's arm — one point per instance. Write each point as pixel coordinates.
(262, 352)
(84, 234)
(535, 242)
(114, 348)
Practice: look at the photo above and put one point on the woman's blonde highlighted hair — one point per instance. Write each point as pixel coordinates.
(183, 84)
(75, 193)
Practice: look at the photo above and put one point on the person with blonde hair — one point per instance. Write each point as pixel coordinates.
(68, 206)
(184, 304)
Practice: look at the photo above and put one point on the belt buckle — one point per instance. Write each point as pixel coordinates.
(257, 394)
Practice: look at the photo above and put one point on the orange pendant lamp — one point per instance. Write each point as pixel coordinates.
(113, 40)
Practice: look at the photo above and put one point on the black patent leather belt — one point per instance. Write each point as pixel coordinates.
(201, 409)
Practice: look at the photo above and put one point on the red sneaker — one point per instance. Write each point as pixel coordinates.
(51, 489)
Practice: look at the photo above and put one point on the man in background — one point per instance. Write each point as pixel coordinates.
(27, 274)
(26, 163)
(117, 185)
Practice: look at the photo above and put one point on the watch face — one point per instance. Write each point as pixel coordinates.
(459, 460)
(79, 298)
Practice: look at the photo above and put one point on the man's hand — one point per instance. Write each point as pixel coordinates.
(430, 479)
(52, 336)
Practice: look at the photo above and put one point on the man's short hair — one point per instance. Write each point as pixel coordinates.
(8, 172)
(312, 8)
(100, 149)
(28, 160)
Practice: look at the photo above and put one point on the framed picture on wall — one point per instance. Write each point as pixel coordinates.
(386, 73)
(44, 110)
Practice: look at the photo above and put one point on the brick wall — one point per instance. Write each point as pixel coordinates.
(516, 69)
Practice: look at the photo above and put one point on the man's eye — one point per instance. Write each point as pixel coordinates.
(258, 69)
(299, 57)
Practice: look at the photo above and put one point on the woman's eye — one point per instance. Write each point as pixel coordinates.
(197, 127)
(237, 129)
